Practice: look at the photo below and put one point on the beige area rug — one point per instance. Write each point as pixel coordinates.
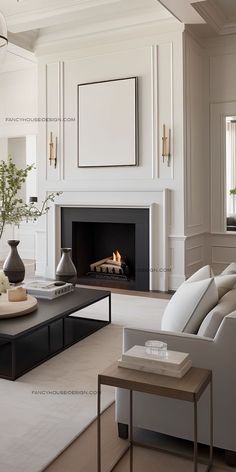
(42, 412)
(80, 456)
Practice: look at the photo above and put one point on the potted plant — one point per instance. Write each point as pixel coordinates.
(13, 211)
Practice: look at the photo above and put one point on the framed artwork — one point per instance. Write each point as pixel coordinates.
(108, 123)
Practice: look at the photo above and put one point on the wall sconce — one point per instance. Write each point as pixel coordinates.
(166, 144)
(53, 151)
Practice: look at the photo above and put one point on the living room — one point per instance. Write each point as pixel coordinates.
(124, 111)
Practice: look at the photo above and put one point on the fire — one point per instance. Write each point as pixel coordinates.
(116, 257)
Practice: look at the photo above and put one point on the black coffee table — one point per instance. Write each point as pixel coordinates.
(27, 341)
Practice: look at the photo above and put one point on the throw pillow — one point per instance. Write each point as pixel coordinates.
(230, 269)
(213, 320)
(201, 274)
(189, 305)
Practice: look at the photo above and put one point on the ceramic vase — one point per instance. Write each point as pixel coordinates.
(13, 266)
(66, 270)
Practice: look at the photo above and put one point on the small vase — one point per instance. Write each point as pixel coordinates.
(13, 266)
(66, 270)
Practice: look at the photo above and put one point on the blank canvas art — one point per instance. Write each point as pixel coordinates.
(107, 123)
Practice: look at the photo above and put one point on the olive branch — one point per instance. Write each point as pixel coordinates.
(13, 210)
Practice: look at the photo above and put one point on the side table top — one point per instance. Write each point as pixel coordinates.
(188, 388)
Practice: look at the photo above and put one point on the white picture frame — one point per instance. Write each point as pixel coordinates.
(108, 123)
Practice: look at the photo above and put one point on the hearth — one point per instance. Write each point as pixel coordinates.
(110, 246)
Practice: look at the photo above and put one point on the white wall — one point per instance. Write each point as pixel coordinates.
(18, 101)
(157, 61)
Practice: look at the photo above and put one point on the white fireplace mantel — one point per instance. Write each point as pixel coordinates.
(156, 201)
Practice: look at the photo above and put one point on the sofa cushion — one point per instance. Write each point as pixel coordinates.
(212, 321)
(189, 306)
(201, 274)
(225, 283)
(230, 269)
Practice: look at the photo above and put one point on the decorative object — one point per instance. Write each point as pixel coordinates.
(174, 364)
(53, 150)
(13, 210)
(13, 266)
(48, 289)
(17, 294)
(4, 282)
(3, 31)
(13, 309)
(156, 348)
(108, 123)
(166, 144)
(66, 270)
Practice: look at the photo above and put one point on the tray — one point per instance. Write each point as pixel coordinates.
(14, 309)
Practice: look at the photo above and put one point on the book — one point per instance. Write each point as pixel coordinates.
(48, 289)
(175, 364)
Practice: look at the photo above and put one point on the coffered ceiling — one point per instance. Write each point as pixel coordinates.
(26, 15)
(32, 21)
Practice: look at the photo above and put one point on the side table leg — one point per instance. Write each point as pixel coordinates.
(99, 426)
(131, 429)
(195, 453)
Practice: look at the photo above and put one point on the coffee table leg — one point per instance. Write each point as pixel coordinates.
(131, 429)
(13, 360)
(195, 454)
(99, 426)
(109, 307)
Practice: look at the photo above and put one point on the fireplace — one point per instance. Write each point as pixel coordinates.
(110, 246)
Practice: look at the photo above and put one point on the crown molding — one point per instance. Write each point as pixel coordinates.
(215, 17)
(87, 38)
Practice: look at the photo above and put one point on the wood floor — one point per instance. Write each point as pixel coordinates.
(80, 456)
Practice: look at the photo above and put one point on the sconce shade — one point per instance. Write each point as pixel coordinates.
(3, 31)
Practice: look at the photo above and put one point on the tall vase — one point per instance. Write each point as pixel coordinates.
(66, 270)
(13, 266)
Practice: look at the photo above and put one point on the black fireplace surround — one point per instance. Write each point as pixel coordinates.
(95, 233)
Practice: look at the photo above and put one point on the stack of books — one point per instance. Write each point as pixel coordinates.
(175, 364)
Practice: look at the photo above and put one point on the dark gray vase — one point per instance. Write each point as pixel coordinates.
(13, 266)
(66, 270)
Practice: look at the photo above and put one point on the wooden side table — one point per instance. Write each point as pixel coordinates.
(189, 388)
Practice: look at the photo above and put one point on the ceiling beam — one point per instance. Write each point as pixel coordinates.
(183, 10)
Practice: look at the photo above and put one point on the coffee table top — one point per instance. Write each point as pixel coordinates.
(49, 310)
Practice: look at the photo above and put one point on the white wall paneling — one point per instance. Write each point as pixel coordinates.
(197, 138)
(157, 62)
(165, 105)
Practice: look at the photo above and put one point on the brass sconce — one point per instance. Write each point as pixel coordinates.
(166, 144)
(53, 151)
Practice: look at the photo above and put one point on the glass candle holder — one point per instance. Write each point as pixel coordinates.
(157, 348)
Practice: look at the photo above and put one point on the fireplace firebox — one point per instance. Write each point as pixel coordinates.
(110, 246)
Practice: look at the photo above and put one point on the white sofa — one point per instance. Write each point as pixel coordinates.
(174, 417)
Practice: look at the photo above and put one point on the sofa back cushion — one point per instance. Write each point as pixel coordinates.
(213, 320)
(224, 283)
(189, 306)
